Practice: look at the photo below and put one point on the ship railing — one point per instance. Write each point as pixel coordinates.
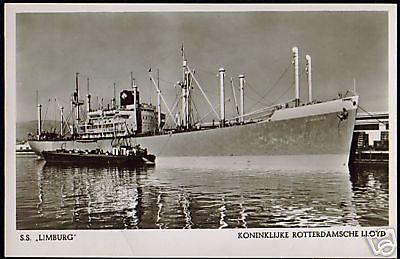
(104, 134)
(265, 111)
(214, 124)
(100, 130)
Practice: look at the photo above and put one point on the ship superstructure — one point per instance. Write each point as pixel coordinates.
(129, 118)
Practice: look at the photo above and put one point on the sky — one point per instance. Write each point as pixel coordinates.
(107, 47)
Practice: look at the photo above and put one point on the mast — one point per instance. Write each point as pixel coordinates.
(39, 116)
(309, 77)
(76, 103)
(62, 121)
(88, 109)
(135, 101)
(114, 104)
(187, 100)
(158, 100)
(76, 97)
(202, 91)
(185, 84)
(241, 85)
(184, 89)
(295, 51)
(222, 96)
(184, 123)
(161, 97)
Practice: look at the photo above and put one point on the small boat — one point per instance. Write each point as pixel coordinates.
(23, 149)
(123, 155)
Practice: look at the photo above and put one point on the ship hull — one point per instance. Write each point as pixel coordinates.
(312, 135)
(79, 159)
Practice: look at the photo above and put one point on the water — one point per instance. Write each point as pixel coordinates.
(68, 197)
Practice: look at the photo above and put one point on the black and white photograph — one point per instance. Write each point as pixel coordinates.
(207, 119)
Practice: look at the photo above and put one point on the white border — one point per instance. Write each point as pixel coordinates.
(204, 243)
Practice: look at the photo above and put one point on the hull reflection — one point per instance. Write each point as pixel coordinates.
(148, 197)
(68, 197)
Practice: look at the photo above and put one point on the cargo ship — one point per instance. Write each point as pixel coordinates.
(293, 134)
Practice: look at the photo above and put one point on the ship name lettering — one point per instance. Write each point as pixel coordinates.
(56, 237)
(317, 118)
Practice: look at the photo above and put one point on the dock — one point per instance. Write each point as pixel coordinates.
(370, 145)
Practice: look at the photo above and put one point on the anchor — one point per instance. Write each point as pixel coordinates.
(343, 115)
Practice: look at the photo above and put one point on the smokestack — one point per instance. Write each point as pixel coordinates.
(222, 95)
(309, 78)
(241, 86)
(295, 51)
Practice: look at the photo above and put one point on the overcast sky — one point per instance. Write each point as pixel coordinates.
(106, 47)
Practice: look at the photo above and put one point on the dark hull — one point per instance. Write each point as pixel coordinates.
(95, 159)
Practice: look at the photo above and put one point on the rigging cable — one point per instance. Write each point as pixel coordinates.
(287, 90)
(251, 87)
(370, 114)
(176, 103)
(198, 114)
(207, 90)
(256, 100)
(67, 121)
(45, 114)
(277, 81)
(206, 71)
(55, 113)
(275, 84)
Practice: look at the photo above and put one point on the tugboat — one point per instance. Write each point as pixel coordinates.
(122, 155)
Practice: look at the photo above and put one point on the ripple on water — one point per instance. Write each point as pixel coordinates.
(51, 197)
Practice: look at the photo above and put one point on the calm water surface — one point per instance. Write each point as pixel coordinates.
(68, 197)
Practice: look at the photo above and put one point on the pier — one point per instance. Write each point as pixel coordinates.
(370, 145)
